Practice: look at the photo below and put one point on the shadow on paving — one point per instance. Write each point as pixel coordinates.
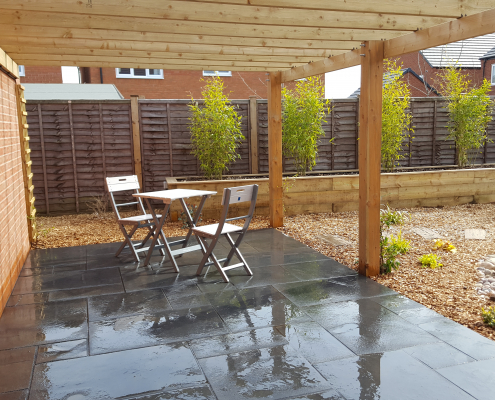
(84, 324)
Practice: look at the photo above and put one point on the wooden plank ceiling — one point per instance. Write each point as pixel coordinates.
(247, 35)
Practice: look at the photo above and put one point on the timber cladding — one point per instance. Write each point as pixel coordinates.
(76, 144)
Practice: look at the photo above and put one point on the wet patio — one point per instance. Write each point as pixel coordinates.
(83, 324)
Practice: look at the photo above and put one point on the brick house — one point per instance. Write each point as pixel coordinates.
(40, 74)
(475, 56)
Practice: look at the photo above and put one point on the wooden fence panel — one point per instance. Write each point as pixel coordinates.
(74, 146)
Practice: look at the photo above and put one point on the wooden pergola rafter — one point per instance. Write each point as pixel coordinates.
(290, 39)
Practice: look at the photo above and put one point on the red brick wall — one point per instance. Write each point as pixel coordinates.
(42, 75)
(431, 75)
(14, 237)
(179, 84)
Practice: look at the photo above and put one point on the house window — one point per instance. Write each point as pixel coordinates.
(493, 74)
(22, 71)
(141, 73)
(217, 73)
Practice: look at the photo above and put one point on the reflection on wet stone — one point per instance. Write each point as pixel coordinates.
(125, 373)
(275, 373)
(152, 329)
(392, 375)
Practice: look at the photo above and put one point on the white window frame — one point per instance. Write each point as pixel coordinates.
(132, 76)
(22, 70)
(217, 73)
(493, 75)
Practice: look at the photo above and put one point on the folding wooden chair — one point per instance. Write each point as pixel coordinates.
(119, 184)
(230, 196)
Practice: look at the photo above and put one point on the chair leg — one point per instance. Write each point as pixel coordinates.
(128, 241)
(235, 249)
(209, 253)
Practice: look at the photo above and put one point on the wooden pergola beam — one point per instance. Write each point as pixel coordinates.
(18, 44)
(157, 25)
(341, 61)
(461, 29)
(337, 40)
(169, 11)
(445, 8)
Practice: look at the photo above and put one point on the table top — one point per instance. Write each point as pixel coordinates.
(173, 194)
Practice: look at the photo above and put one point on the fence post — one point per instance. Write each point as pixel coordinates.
(136, 138)
(74, 163)
(253, 115)
(26, 161)
(43, 160)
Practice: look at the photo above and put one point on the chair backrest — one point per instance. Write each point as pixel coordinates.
(120, 184)
(239, 194)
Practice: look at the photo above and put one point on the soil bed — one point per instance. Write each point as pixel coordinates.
(449, 290)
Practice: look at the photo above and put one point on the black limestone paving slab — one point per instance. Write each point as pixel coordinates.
(303, 327)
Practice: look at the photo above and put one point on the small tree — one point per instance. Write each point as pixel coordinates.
(302, 116)
(395, 120)
(469, 112)
(215, 130)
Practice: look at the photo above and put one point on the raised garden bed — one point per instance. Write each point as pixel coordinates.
(336, 193)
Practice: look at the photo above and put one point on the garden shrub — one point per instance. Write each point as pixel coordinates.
(391, 247)
(469, 112)
(215, 130)
(396, 122)
(302, 115)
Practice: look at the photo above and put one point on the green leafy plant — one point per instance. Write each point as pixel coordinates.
(430, 261)
(469, 109)
(215, 130)
(390, 217)
(302, 115)
(192, 208)
(396, 122)
(488, 316)
(391, 247)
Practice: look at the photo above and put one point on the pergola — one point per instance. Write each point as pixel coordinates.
(290, 39)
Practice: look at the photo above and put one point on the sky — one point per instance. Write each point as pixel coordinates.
(70, 75)
(341, 84)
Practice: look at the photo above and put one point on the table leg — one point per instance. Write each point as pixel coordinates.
(158, 233)
(194, 220)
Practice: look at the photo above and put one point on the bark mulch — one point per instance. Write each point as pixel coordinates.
(449, 290)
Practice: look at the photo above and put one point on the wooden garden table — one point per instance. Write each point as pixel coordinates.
(167, 196)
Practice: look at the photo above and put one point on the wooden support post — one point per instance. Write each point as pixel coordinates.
(253, 116)
(26, 162)
(170, 148)
(43, 160)
(275, 149)
(74, 163)
(370, 127)
(136, 138)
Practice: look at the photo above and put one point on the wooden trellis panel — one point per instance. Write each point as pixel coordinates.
(26, 162)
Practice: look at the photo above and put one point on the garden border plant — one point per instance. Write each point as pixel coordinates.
(215, 129)
(469, 112)
(396, 122)
(393, 246)
(303, 111)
